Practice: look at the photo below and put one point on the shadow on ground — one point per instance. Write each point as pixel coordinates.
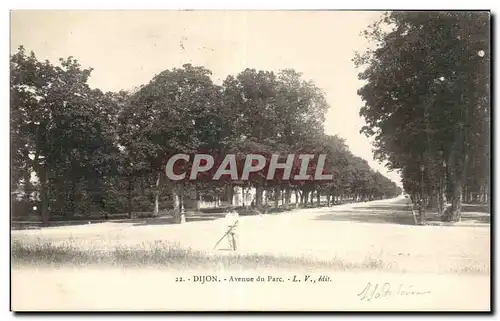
(483, 218)
(467, 218)
(399, 212)
(163, 220)
(170, 220)
(483, 208)
(141, 218)
(392, 208)
(390, 217)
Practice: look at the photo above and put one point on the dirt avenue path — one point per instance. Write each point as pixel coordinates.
(432, 258)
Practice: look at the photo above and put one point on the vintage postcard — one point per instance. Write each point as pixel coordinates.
(250, 160)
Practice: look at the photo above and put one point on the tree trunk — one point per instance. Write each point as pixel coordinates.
(177, 197)
(276, 196)
(433, 203)
(176, 205)
(157, 195)
(440, 201)
(415, 219)
(44, 197)
(306, 197)
(230, 194)
(328, 199)
(458, 177)
(198, 199)
(318, 198)
(288, 196)
(421, 213)
(296, 198)
(27, 188)
(129, 195)
(181, 202)
(243, 196)
(259, 191)
(454, 212)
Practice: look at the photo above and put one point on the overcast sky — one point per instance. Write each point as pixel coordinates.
(127, 48)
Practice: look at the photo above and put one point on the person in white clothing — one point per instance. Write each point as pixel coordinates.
(232, 224)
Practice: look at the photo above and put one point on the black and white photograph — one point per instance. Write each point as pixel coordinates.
(250, 160)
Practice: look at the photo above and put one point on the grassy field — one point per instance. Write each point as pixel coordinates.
(164, 255)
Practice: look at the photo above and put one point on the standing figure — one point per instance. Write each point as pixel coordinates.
(232, 223)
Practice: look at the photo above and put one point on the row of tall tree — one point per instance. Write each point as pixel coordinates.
(427, 103)
(106, 152)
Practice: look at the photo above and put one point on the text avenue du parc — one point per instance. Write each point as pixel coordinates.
(249, 279)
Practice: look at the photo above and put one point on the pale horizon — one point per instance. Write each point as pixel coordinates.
(127, 48)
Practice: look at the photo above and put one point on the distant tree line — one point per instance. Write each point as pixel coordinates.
(94, 152)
